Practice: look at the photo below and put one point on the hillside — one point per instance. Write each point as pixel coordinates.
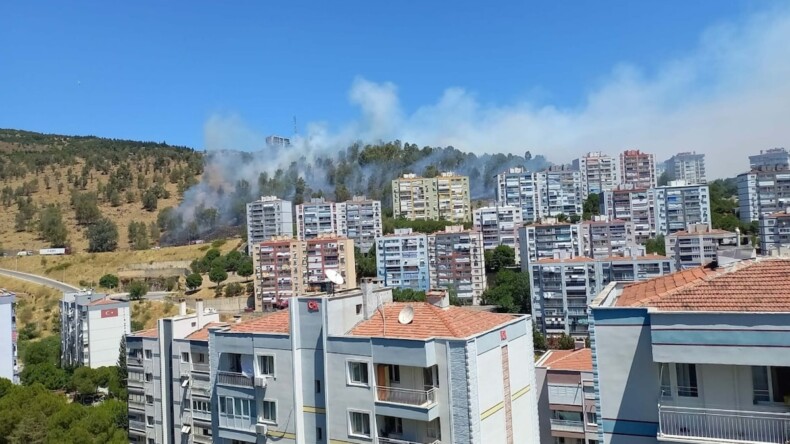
(40, 169)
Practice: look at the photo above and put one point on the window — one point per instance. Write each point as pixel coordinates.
(592, 418)
(666, 385)
(394, 373)
(318, 386)
(393, 425)
(148, 354)
(434, 430)
(201, 406)
(319, 433)
(770, 384)
(269, 412)
(149, 421)
(359, 424)
(359, 308)
(236, 407)
(184, 357)
(687, 380)
(149, 399)
(358, 372)
(201, 358)
(149, 377)
(266, 365)
(151, 441)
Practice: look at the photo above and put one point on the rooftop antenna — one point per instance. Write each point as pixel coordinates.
(406, 315)
(335, 278)
(295, 130)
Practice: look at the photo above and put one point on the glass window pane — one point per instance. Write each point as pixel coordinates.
(760, 389)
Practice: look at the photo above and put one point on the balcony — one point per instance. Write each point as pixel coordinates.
(137, 425)
(694, 425)
(233, 378)
(201, 368)
(564, 425)
(420, 398)
(400, 441)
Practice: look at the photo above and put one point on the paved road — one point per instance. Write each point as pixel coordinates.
(40, 280)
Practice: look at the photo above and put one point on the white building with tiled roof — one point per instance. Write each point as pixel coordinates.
(354, 367)
(698, 356)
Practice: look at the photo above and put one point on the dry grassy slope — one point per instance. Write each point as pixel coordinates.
(121, 215)
(34, 304)
(91, 266)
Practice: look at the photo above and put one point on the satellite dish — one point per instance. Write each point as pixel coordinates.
(334, 277)
(406, 315)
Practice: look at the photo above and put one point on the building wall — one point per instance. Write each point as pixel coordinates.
(637, 169)
(678, 206)
(267, 218)
(105, 331)
(456, 260)
(763, 192)
(598, 172)
(8, 350)
(775, 234)
(402, 261)
(518, 188)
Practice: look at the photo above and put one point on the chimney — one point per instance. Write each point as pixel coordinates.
(578, 344)
(199, 311)
(438, 297)
(182, 307)
(236, 319)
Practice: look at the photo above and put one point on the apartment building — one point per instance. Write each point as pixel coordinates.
(763, 192)
(637, 170)
(402, 260)
(698, 356)
(563, 286)
(631, 205)
(599, 172)
(169, 396)
(699, 245)
(268, 217)
(9, 368)
(678, 205)
(276, 141)
(499, 226)
(775, 234)
(602, 237)
(539, 241)
(360, 219)
(357, 368)
(559, 191)
(457, 261)
(517, 187)
(688, 167)
(774, 158)
(317, 217)
(421, 198)
(92, 326)
(566, 396)
(288, 267)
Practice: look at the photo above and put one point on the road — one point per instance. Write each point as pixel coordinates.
(40, 280)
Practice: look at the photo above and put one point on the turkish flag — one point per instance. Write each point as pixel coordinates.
(109, 313)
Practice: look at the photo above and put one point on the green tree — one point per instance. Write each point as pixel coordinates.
(83, 381)
(138, 235)
(538, 340)
(663, 179)
(212, 254)
(194, 281)
(150, 200)
(217, 275)
(51, 226)
(509, 291)
(137, 289)
(565, 342)
(656, 245)
(102, 236)
(153, 232)
(233, 289)
(408, 295)
(109, 281)
(500, 257)
(122, 370)
(245, 268)
(232, 260)
(592, 206)
(365, 263)
(46, 374)
(86, 208)
(562, 217)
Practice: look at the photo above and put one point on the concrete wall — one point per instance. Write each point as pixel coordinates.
(7, 343)
(105, 333)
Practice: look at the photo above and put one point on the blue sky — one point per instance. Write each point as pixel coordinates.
(162, 70)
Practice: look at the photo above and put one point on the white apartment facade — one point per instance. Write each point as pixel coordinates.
(774, 158)
(678, 205)
(357, 368)
(358, 219)
(602, 237)
(402, 260)
(699, 245)
(315, 218)
(540, 241)
(268, 217)
(559, 191)
(457, 261)
(599, 172)
(775, 234)
(9, 367)
(696, 357)
(688, 167)
(633, 205)
(637, 169)
(445, 197)
(517, 187)
(499, 226)
(92, 326)
(169, 396)
(763, 192)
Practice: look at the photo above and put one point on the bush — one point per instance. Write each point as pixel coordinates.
(233, 289)
(137, 289)
(194, 281)
(109, 281)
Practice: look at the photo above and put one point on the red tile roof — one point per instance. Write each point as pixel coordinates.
(429, 322)
(277, 322)
(104, 301)
(149, 333)
(684, 233)
(572, 360)
(202, 334)
(754, 286)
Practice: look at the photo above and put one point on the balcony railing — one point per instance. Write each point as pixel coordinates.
(400, 441)
(406, 396)
(202, 368)
(232, 378)
(565, 425)
(709, 425)
(137, 425)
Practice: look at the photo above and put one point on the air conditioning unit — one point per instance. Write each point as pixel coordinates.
(260, 381)
(261, 429)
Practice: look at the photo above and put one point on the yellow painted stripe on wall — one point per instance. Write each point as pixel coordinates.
(311, 409)
(278, 434)
(492, 410)
(520, 393)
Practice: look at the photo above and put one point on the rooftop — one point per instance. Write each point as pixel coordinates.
(148, 333)
(571, 360)
(105, 301)
(762, 285)
(278, 322)
(715, 231)
(585, 259)
(429, 322)
(202, 334)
